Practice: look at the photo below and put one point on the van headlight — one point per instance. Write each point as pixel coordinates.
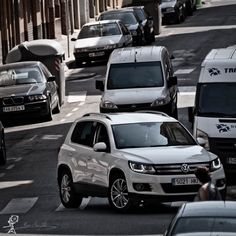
(203, 135)
(141, 168)
(161, 101)
(108, 104)
(215, 164)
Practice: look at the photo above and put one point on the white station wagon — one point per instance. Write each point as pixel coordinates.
(131, 157)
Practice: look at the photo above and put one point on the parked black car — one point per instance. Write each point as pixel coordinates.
(173, 11)
(131, 21)
(27, 89)
(3, 156)
(147, 22)
(191, 6)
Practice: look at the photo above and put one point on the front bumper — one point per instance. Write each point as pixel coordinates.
(137, 107)
(161, 187)
(34, 109)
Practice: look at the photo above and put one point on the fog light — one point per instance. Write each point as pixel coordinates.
(140, 187)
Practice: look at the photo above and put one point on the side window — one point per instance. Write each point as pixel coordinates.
(102, 135)
(84, 133)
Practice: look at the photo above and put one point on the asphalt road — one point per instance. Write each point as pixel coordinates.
(28, 186)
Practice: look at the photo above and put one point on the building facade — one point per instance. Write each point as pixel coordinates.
(26, 20)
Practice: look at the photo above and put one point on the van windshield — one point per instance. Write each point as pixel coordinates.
(135, 75)
(217, 99)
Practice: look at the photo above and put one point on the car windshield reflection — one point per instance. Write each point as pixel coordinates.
(151, 134)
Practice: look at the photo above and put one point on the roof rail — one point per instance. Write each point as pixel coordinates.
(153, 112)
(97, 114)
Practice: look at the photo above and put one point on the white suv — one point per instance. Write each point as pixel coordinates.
(131, 157)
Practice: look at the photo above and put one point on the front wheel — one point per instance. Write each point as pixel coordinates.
(68, 196)
(3, 156)
(118, 194)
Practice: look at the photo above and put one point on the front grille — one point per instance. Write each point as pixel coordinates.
(169, 188)
(223, 147)
(134, 106)
(175, 169)
(11, 101)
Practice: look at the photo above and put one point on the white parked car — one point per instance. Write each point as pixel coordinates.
(129, 157)
(97, 40)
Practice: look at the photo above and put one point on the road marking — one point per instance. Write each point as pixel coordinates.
(79, 96)
(52, 137)
(62, 120)
(75, 109)
(184, 71)
(69, 114)
(19, 205)
(10, 184)
(18, 159)
(85, 203)
(2, 174)
(10, 166)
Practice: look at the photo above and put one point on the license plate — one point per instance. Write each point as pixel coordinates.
(232, 160)
(184, 181)
(96, 54)
(14, 108)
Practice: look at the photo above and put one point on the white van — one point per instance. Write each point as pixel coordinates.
(214, 114)
(139, 78)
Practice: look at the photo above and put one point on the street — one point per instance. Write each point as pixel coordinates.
(28, 183)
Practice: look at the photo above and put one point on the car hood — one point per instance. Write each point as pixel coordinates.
(97, 41)
(132, 27)
(168, 155)
(134, 96)
(167, 4)
(24, 89)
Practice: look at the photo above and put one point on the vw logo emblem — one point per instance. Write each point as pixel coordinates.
(185, 168)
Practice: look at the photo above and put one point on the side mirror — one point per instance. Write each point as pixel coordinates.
(100, 85)
(100, 147)
(201, 141)
(73, 39)
(190, 114)
(51, 78)
(172, 81)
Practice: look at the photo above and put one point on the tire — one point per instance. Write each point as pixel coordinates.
(57, 109)
(48, 117)
(3, 156)
(118, 194)
(68, 196)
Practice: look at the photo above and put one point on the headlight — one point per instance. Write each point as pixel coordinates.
(201, 134)
(161, 101)
(170, 9)
(34, 98)
(141, 168)
(108, 104)
(133, 32)
(113, 46)
(215, 164)
(81, 50)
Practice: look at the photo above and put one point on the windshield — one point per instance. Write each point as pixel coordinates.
(208, 224)
(217, 99)
(18, 76)
(127, 18)
(135, 75)
(151, 134)
(99, 30)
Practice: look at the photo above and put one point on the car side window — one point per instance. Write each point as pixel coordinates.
(102, 135)
(84, 133)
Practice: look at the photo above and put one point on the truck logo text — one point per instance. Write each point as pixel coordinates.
(230, 70)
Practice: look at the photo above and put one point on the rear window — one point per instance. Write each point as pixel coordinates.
(205, 224)
(127, 18)
(135, 75)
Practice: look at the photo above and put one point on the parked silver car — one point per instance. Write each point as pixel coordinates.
(97, 40)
